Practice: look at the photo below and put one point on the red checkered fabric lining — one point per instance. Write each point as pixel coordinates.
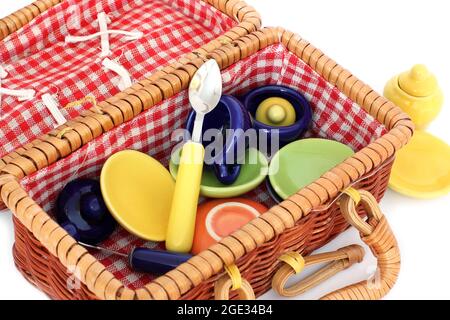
(37, 57)
(335, 117)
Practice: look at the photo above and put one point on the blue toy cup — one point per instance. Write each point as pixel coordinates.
(287, 134)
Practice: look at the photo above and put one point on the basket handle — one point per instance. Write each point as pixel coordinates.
(294, 263)
(376, 233)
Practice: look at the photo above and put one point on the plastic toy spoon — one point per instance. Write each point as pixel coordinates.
(205, 91)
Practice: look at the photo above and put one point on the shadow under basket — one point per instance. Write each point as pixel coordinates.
(280, 58)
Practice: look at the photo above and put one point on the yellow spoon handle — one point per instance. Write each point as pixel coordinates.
(181, 227)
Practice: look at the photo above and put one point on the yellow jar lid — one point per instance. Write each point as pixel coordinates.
(276, 112)
(422, 168)
(418, 82)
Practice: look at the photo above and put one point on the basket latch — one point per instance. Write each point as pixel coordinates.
(232, 281)
(294, 263)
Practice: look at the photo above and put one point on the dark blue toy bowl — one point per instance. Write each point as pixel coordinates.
(229, 114)
(81, 211)
(287, 134)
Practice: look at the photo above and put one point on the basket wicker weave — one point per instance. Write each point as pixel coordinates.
(303, 223)
(20, 18)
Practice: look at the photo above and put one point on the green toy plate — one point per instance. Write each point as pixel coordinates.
(253, 173)
(302, 162)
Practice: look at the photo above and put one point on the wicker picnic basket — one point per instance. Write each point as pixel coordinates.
(264, 253)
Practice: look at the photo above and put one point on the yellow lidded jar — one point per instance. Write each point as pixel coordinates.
(418, 94)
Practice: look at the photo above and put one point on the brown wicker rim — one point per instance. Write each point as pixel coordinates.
(20, 18)
(249, 20)
(164, 84)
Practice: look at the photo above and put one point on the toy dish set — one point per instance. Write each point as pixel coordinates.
(274, 241)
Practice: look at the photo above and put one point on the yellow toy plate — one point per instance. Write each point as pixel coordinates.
(138, 191)
(422, 168)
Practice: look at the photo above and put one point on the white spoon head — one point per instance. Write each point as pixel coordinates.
(205, 89)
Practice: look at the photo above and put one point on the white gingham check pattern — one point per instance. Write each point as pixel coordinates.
(36, 57)
(335, 117)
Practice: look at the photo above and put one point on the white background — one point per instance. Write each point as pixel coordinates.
(375, 40)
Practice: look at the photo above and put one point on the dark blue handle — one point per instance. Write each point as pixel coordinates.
(227, 174)
(156, 262)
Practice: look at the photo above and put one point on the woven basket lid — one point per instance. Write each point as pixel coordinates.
(171, 29)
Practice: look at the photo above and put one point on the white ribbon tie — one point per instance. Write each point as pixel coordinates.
(21, 94)
(104, 33)
(53, 106)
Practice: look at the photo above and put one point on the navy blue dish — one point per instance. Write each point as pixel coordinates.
(229, 114)
(287, 134)
(81, 211)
